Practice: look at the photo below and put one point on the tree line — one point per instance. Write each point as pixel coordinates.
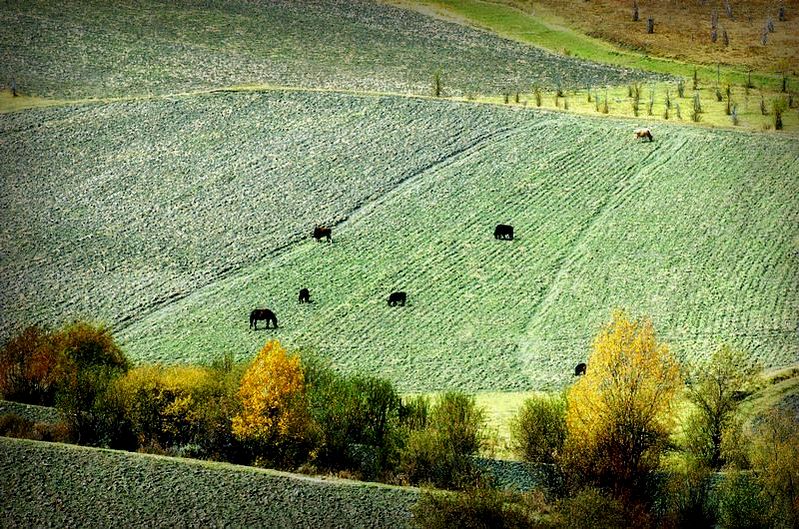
(610, 447)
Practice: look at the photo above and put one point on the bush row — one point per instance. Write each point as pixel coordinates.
(281, 410)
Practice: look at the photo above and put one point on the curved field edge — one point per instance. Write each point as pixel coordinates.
(88, 48)
(697, 229)
(45, 484)
(543, 31)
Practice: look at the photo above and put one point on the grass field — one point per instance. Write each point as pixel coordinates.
(697, 229)
(47, 484)
(683, 29)
(110, 211)
(95, 49)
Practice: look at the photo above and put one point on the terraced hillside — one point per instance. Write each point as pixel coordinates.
(47, 484)
(699, 229)
(91, 48)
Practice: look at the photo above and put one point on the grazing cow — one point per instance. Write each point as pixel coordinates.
(397, 297)
(579, 369)
(262, 314)
(321, 231)
(305, 295)
(503, 231)
(642, 133)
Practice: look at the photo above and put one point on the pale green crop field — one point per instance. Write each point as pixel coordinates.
(95, 49)
(173, 237)
(697, 229)
(49, 484)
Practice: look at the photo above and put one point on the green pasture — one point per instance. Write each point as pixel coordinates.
(111, 210)
(696, 229)
(173, 236)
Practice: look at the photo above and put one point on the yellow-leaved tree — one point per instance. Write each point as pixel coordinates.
(619, 413)
(274, 417)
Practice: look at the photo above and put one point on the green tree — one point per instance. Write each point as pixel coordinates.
(539, 429)
(715, 389)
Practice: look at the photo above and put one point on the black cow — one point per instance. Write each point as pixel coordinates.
(579, 369)
(262, 314)
(305, 295)
(504, 232)
(321, 231)
(397, 297)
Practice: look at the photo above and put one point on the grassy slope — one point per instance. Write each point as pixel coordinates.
(697, 229)
(682, 29)
(110, 211)
(546, 30)
(95, 49)
(44, 484)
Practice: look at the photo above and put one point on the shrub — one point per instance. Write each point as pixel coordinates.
(734, 115)
(373, 421)
(180, 406)
(591, 507)
(13, 425)
(90, 345)
(437, 84)
(778, 106)
(728, 108)
(686, 499)
(775, 462)
(32, 366)
(357, 420)
(442, 453)
(741, 504)
(477, 508)
(681, 88)
(539, 429)
(94, 409)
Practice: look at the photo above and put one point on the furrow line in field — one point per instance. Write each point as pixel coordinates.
(625, 189)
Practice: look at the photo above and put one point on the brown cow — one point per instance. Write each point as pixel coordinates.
(643, 133)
